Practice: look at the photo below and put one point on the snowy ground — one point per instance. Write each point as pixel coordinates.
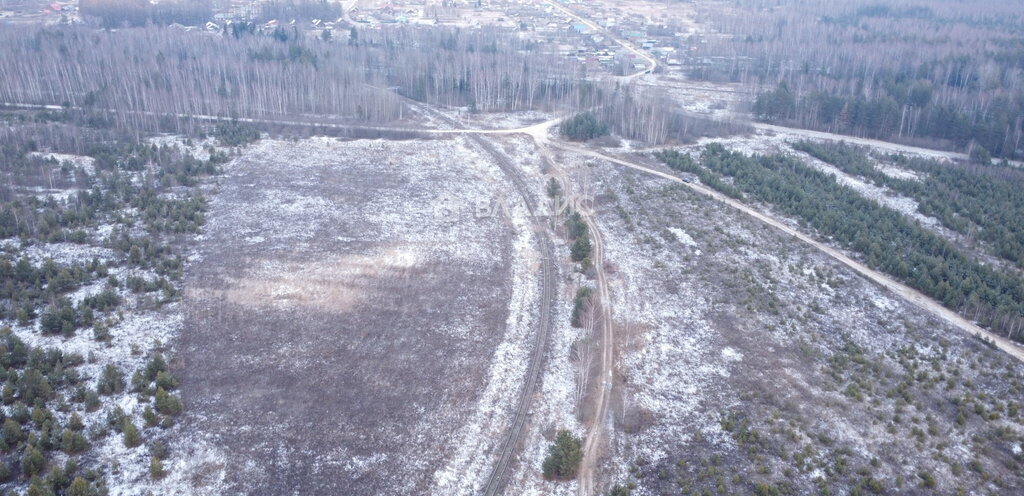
(137, 329)
(717, 101)
(554, 407)
(719, 317)
(495, 120)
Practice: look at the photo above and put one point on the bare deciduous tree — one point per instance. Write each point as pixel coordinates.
(590, 318)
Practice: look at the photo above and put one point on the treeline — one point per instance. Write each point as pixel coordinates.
(139, 73)
(886, 240)
(652, 117)
(646, 116)
(984, 202)
(925, 71)
(905, 113)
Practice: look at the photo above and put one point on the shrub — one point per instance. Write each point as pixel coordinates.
(12, 432)
(79, 487)
(72, 442)
(158, 450)
(59, 318)
(156, 468)
(166, 381)
(927, 479)
(132, 438)
(580, 249)
(564, 457)
(155, 366)
(111, 382)
(150, 417)
(167, 403)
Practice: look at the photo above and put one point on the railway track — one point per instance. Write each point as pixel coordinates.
(497, 478)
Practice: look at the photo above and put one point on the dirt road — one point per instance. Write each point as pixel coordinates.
(592, 444)
(496, 479)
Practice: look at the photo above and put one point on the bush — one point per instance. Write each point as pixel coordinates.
(59, 318)
(235, 133)
(564, 457)
(132, 438)
(166, 381)
(79, 487)
(580, 249)
(73, 442)
(155, 366)
(167, 403)
(927, 479)
(12, 432)
(111, 382)
(156, 468)
(150, 417)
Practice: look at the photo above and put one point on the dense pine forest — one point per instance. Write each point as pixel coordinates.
(983, 202)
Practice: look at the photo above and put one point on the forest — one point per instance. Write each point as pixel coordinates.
(647, 116)
(884, 238)
(148, 74)
(984, 202)
(927, 72)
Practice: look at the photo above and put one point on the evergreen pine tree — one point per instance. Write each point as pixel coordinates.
(132, 438)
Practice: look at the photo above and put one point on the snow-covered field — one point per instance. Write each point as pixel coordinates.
(377, 302)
